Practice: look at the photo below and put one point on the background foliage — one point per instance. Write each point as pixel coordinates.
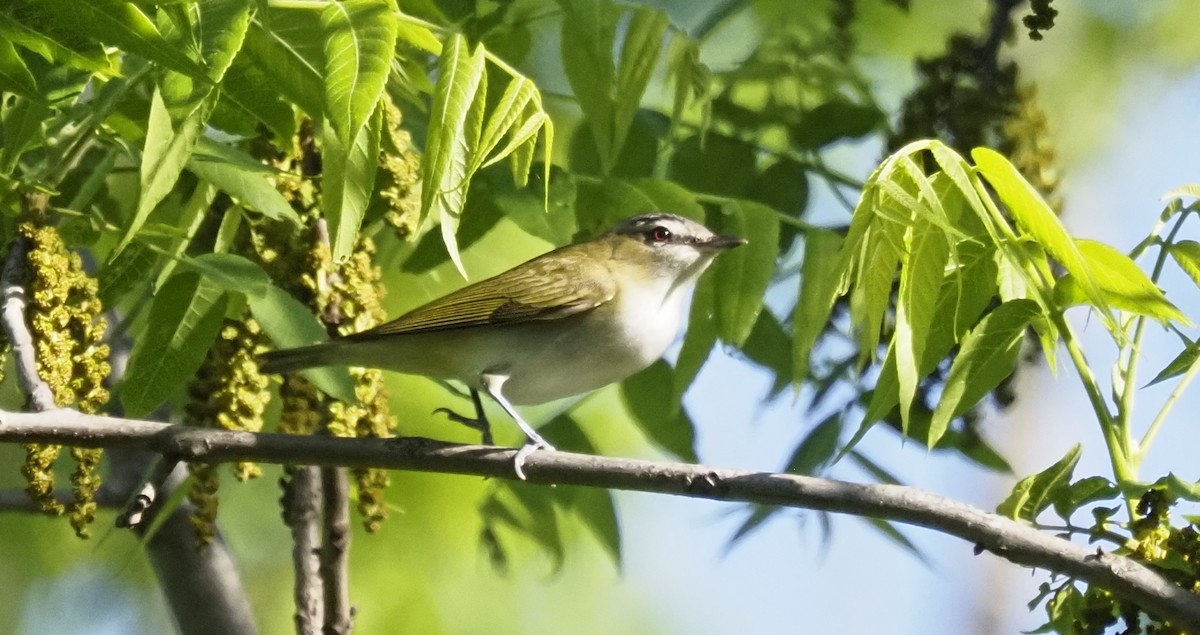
(187, 150)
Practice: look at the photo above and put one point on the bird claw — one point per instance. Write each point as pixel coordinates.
(526, 450)
(474, 423)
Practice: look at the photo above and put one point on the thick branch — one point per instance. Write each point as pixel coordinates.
(202, 586)
(1010, 540)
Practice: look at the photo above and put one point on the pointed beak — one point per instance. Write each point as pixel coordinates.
(723, 242)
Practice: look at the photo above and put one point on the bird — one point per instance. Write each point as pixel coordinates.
(564, 323)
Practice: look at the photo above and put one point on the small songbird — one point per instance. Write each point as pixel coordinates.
(564, 323)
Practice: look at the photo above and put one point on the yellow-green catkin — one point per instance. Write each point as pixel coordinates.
(351, 292)
(352, 288)
(229, 392)
(400, 177)
(65, 318)
(1030, 146)
(346, 295)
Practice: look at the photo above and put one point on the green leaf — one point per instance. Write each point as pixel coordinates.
(22, 127)
(190, 218)
(743, 274)
(455, 125)
(1066, 609)
(290, 324)
(715, 164)
(121, 24)
(759, 514)
(667, 425)
(164, 156)
(595, 507)
(1033, 494)
(528, 209)
(921, 272)
(247, 91)
(14, 75)
(231, 272)
(360, 38)
(987, 356)
(878, 257)
(639, 55)
(530, 511)
(1180, 365)
(216, 33)
(665, 195)
(123, 273)
(287, 48)
(1037, 219)
(1083, 492)
(891, 532)
(817, 448)
(1123, 284)
(700, 338)
(247, 186)
(1191, 190)
(691, 80)
(835, 120)
(818, 284)
(521, 157)
(419, 36)
(1187, 255)
(1180, 488)
(505, 116)
(589, 28)
(27, 24)
(770, 346)
(185, 317)
(884, 397)
(348, 176)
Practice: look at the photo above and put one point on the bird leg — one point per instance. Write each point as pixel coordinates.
(492, 385)
(478, 422)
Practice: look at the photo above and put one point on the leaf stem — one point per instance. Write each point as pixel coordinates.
(1118, 450)
(1125, 405)
(1148, 438)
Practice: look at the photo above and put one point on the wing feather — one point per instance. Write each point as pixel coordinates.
(545, 288)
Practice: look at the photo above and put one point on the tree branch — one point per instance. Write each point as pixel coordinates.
(302, 513)
(12, 314)
(1013, 541)
(202, 586)
(335, 552)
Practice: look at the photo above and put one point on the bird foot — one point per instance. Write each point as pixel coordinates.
(526, 450)
(475, 423)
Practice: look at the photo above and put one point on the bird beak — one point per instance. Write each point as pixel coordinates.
(723, 242)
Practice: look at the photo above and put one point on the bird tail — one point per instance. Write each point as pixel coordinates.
(296, 359)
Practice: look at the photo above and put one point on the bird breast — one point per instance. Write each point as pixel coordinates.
(582, 353)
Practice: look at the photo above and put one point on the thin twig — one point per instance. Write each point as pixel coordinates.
(301, 513)
(135, 514)
(335, 552)
(12, 314)
(1011, 540)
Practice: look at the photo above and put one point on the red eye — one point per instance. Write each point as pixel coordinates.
(660, 234)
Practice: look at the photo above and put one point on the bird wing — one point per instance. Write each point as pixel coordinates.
(545, 288)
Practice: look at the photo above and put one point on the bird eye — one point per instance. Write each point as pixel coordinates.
(660, 234)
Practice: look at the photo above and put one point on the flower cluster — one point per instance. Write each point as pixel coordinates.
(400, 177)
(230, 392)
(348, 297)
(65, 319)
